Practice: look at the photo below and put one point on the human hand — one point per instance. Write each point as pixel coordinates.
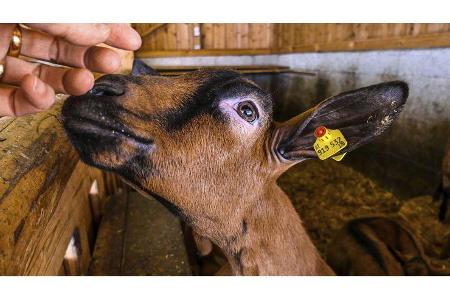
(70, 45)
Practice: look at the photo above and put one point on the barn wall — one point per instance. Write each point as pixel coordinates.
(238, 39)
(415, 143)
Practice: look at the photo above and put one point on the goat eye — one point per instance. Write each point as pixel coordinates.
(247, 111)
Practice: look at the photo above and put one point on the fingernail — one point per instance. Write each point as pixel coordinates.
(136, 40)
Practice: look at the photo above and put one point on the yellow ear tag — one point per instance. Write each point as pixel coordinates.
(329, 142)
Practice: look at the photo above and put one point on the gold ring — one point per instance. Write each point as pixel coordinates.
(16, 43)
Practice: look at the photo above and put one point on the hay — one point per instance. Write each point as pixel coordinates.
(327, 194)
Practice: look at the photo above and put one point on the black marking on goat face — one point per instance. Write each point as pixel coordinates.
(206, 99)
(93, 124)
(136, 168)
(244, 227)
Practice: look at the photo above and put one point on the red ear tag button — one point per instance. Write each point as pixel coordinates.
(320, 131)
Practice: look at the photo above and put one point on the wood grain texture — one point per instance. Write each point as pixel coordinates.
(43, 196)
(36, 162)
(248, 39)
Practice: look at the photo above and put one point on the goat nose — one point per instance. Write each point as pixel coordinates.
(108, 88)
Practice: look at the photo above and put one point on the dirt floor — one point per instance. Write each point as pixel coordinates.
(327, 194)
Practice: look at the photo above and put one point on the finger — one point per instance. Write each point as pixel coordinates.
(33, 96)
(79, 34)
(123, 36)
(62, 80)
(116, 35)
(6, 31)
(78, 81)
(49, 48)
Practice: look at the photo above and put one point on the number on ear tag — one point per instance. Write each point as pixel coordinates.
(329, 142)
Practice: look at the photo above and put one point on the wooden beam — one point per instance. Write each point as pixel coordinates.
(201, 52)
(152, 29)
(43, 195)
(244, 69)
(407, 42)
(35, 160)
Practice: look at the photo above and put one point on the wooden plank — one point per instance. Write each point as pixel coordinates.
(270, 39)
(160, 37)
(108, 253)
(219, 36)
(184, 36)
(257, 36)
(285, 41)
(171, 31)
(207, 36)
(265, 37)
(303, 33)
(331, 33)
(415, 31)
(231, 36)
(239, 34)
(97, 195)
(434, 28)
(244, 36)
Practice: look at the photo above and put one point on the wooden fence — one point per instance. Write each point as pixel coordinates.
(50, 202)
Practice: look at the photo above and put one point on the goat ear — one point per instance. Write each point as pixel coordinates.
(140, 68)
(360, 115)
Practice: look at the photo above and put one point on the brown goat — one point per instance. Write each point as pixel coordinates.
(378, 246)
(205, 144)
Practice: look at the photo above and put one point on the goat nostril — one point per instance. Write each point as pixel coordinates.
(106, 89)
